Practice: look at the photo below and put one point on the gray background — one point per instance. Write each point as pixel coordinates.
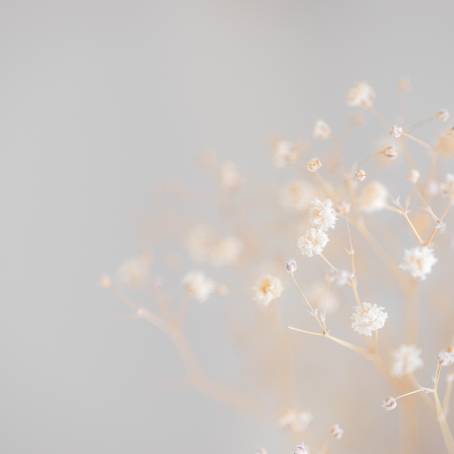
(100, 101)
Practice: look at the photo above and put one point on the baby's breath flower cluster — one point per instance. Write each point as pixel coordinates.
(363, 237)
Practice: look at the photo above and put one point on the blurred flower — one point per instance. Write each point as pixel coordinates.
(323, 215)
(321, 130)
(373, 197)
(301, 449)
(229, 175)
(389, 404)
(419, 261)
(198, 285)
(267, 289)
(134, 272)
(284, 153)
(337, 432)
(447, 187)
(368, 318)
(297, 195)
(321, 296)
(361, 95)
(446, 357)
(296, 421)
(407, 359)
(313, 165)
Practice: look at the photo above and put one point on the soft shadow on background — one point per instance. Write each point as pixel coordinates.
(102, 101)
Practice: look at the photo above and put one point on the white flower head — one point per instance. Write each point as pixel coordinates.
(397, 131)
(336, 431)
(296, 421)
(373, 197)
(291, 266)
(407, 359)
(301, 449)
(312, 242)
(267, 289)
(419, 261)
(284, 153)
(446, 357)
(313, 165)
(297, 195)
(323, 215)
(389, 404)
(134, 272)
(361, 95)
(198, 286)
(368, 318)
(321, 130)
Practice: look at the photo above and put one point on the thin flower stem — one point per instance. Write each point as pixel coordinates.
(299, 330)
(333, 268)
(404, 214)
(298, 286)
(425, 145)
(416, 391)
(447, 397)
(354, 280)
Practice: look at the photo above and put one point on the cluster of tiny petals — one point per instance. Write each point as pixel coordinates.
(361, 95)
(301, 449)
(360, 175)
(312, 242)
(407, 359)
(336, 431)
(198, 285)
(267, 289)
(323, 215)
(446, 357)
(419, 261)
(368, 318)
(389, 404)
(321, 130)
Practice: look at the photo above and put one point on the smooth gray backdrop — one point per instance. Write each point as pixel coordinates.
(101, 100)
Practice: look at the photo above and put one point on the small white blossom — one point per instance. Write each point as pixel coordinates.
(262, 451)
(284, 153)
(407, 359)
(413, 176)
(301, 449)
(291, 266)
(446, 357)
(361, 95)
(313, 165)
(323, 215)
(321, 130)
(267, 289)
(373, 197)
(389, 404)
(229, 175)
(297, 195)
(198, 286)
(368, 318)
(419, 261)
(396, 131)
(360, 175)
(296, 421)
(312, 242)
(390, 152)
(336, 431)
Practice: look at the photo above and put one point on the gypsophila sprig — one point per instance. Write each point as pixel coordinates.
(446, 357)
